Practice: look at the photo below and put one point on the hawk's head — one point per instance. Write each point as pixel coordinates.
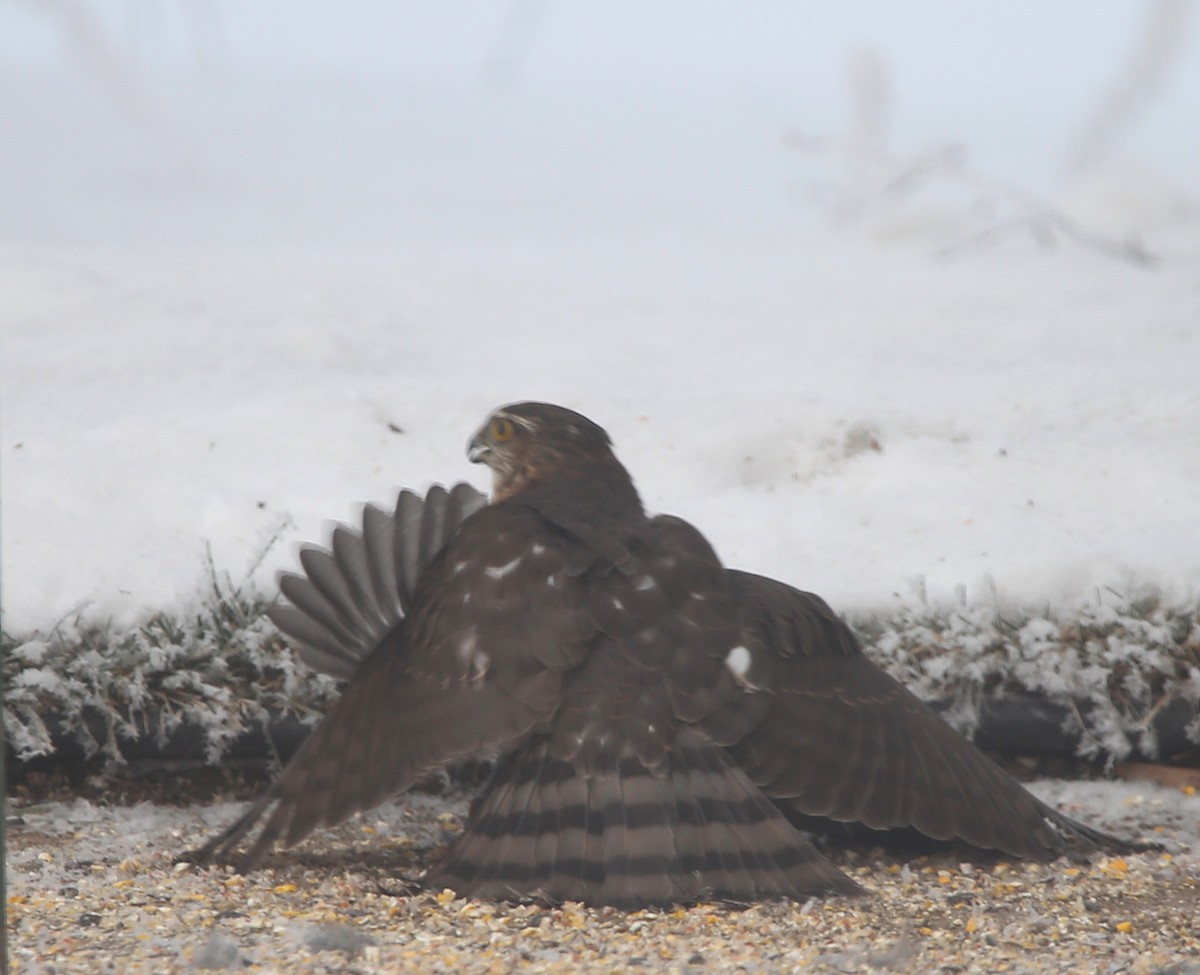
(527, 441)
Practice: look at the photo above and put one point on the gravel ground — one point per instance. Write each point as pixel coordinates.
(95, 888)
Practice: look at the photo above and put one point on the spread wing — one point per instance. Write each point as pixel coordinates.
(477, 664)
(825, 731)
(622, 801)
(353, 594)
(584, 678)
(466, 631)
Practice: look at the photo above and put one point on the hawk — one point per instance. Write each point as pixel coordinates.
(659, 719)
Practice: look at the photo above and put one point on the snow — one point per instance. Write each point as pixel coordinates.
(256, 268)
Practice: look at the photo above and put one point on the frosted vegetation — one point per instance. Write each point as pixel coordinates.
(222, 670)
(1112, 666)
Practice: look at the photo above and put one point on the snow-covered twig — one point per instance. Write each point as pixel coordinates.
(1001, 207)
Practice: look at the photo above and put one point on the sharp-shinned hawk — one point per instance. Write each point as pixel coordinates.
(655, 714)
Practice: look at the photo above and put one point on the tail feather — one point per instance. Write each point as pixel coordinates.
(517, 842)
(561, 840)
(739, 819)
(642, 823)
(625, 836)
(563, 847)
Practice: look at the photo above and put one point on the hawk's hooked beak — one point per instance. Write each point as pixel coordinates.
(478, 449)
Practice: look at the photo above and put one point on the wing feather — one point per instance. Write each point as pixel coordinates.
(354, 593)
(456, 677)
(835, 736)
(379, 532)
(354, 566)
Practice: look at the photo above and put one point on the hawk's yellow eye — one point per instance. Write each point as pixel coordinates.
(502, 430)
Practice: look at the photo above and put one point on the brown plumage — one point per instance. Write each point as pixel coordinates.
(654, 711)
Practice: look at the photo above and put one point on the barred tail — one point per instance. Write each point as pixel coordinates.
(628, 837)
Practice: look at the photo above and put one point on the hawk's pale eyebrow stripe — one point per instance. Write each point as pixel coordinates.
(500, 571)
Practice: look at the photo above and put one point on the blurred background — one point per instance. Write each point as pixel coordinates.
(529, 123)
(890, 299)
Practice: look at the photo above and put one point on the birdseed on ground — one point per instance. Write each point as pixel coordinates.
(96, 888)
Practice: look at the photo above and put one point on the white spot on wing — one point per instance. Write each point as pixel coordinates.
(537, 548)
(500, 571)
(644, 582)
(738, 662)
(467, 646)
(475, 661)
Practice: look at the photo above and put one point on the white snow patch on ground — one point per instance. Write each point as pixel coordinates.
(236, 299)
(1036, 416)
